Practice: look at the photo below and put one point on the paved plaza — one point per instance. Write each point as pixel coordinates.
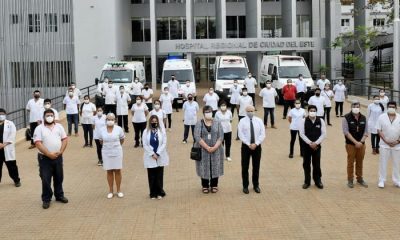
(282, 211)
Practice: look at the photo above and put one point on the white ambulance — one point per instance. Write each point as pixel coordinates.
(123, 73)
(227, 69)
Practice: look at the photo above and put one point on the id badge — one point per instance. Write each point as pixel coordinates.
(209, 136)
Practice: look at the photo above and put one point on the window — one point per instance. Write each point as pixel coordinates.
(139, 1)
(203, 1)
(14, 19)
(271, 26)
(33, 23)
(50, 20)
(235, 26)
(169, 28)
(379, 22)
(303, 26)
(65, 18)
(205, 27)
(171, 1)
(140, 29)
(345, 22)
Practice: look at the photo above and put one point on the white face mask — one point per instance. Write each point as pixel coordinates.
(391, 110)
(244, 93)
(250, 114)
(110, 85)
(289, 83)
(136, 81)
(157, 106)
(49, 119)
(235, 84)
(382, 94)
(211, 91)
(312, 114)
(269, 85)
(301, 78)
(187, 84)
(100, 114)
(110, 123)
(121, 91)
(138, 101)
(73, 87)
(2, 117)
(377, 101)
(223, 108)
(355, 110)
(297, 105)
(47, 106)
(208, 116)
(86, 101)
(70, 94)
(249, 75)
(340, 83)
(166, 92)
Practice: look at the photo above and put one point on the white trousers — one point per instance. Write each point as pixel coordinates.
(385, 154)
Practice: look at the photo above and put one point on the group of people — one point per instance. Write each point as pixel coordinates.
(212, 133)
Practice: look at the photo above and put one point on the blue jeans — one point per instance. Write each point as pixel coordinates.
(72, 118)
(48, 169)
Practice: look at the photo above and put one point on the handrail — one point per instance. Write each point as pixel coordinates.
(20, 116)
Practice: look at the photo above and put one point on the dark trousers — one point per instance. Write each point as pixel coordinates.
(156, 181)
(11, 167)
(314, 157)
(48, 169)
(98, 149)
(339, 106)
(288, 103)
(327, 114)
(269, 111)
(123, 122)
(253, 96)
(255, 157)
(139, 128)
(233, 108)
(32, 127)
(293, 135)
(110, 108)
(227, 143)
(186, 131)
(149, 106)
(375, 139)
(206, 183)
(301, 96)
(72, 119)
(175, 104)
(169, 118)
(88, 134)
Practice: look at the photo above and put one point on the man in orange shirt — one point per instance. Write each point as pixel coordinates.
(289, 96)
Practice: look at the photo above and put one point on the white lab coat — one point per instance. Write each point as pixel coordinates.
(122, 104)
(163, 159)
(9, 137)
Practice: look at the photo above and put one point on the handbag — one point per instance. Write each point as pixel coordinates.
(195, 152)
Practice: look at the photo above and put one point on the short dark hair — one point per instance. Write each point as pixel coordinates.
(312, 107)
(207, 108)
(48, 111)
(2, 110)
(223, 103)
(36, 91)
(99, 108)
(47, 100)
(86, 96)
(300, 75)
(392, 103)
(157, 101)
(375, 96)
(317, 89)
(244, 89)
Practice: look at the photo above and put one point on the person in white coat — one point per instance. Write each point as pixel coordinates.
(112, 137)
(34, 108)
(99, 122)
(328, 95)
(7, 148)
(75, 90)
(188, 89)
(166, 100)
(135, 89)
(174, 86)
(211, 99)
(225, 118)
(88, 110)
(110, 95)
(319, 102)
(190, 110)
(340, 95)
(123, 101)
(383, 98)
(157, 110)
(250, 83)
(235, 92)
(155, 156)
(375, 109)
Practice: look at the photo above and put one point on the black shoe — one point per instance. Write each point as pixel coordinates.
(284, 118)
(237, 139)
(290, 155)
(306, 185)
(62, 199)
(46, 205)
(18, 184)
(126, 131)
(329, 124)
(136, 146)
(257, 189)
(319, 185)
(246, 191)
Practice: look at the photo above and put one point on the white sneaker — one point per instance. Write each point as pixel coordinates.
(229, 159)
(381, 184)
(159, 197)
(397, 184)
(120, 195)
(110, 195)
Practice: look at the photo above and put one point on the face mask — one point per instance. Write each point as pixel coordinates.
(249, 75)
(250, 114)
(136, 81)
(312, 114)
(244, 93)
(187, 84)
(297, 105)
(110, 85)
(70, 94)
(122, 91)
(290, 84)
(110, 123)
(157, 106)
(235, 84)
(355, 110)
(47, 106)
(190, 98)
(301, 78)
(138, 101)
(208, 116)
(269, 85)
(317, 94)
(211, 91)
(36, 96)
(73, 87)
(166, 92)
(146, 88)
(326, 88)
(99, 114)
(154, 125)
(2, 118)
(391, 110)
(382, 94)
(106, 81)
(377, 101)
(86, 101)
(49, 119)
(223, 108)
(173, 79)
(340, 83)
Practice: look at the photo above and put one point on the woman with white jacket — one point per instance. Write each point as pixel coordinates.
(7, 148)
(155, 156)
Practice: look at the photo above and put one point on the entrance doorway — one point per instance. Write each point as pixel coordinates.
(204, 69)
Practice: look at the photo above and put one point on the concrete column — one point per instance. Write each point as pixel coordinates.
(396, 49)
(361, 19)
(253, 30)
(153, 44)
(316, 33)
(288, 12)
(190, 28)
(220, 18)
(333, 56)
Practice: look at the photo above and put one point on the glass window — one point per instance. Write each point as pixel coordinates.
(118, 76)
(65, 18)
(345, 22)
(271, 26)
(137, 30)
(232, 73)
(303, 26)
(201, 27)
(231, 27)
(162, 29)
(14, 19)
(171, 28)
(293, 71)
(33, 22)
(50, 21)
(181, 75)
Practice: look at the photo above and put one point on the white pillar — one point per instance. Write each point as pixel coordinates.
(396, 48)
(220, 18)
(153, 44)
